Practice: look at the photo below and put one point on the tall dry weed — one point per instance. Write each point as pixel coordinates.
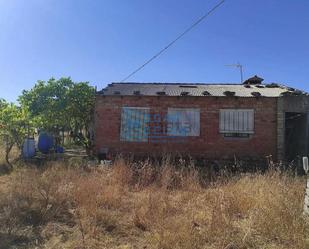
(155, 205)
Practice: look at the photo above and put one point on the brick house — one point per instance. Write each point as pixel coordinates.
(212, 121)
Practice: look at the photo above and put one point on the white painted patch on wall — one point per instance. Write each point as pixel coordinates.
(306, 204)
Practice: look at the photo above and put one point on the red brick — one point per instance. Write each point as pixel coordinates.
(210, 143)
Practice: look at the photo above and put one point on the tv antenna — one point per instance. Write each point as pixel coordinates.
(238, 65)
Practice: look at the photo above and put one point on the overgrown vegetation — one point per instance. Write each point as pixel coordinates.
(61, 105)
(14, 124)
(53, 106)
(147, 205)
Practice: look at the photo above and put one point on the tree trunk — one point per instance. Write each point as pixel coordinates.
(7, 155)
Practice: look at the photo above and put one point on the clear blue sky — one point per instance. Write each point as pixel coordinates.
(103, 41)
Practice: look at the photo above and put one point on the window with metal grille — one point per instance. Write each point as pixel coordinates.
(239, 121)
(134, 124)
(183, 122)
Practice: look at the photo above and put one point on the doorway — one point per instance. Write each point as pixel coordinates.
(295, 135)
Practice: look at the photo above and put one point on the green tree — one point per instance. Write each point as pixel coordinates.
(60, 105)
(47, 102)
(14, 124)
(80, 105)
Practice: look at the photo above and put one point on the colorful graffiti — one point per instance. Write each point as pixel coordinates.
(139, 125)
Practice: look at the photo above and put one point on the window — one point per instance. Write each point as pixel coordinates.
(134, 124)
(237, 121)
(183, 122)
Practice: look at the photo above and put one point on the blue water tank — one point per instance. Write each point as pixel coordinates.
(59, 149)
(28, 148)
(45, 142)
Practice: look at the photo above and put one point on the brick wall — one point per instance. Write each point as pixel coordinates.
(210, 144)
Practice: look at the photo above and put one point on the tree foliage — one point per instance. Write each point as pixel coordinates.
(15, 123)
(60, 104)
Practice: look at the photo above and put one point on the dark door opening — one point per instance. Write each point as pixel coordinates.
(295, 135)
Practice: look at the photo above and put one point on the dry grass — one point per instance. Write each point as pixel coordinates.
(146, 205)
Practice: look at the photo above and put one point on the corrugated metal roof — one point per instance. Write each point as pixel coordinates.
(198, 89)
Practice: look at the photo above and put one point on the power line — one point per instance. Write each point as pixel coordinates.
(175, 40)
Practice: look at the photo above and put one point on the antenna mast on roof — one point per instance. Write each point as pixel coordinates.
(238, 65)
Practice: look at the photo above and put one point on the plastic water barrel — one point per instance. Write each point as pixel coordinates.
(28, 148)
(45, 142)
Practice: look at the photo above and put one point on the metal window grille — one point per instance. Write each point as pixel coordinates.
(237, 121)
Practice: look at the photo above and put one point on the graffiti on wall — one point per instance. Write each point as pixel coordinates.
(141, 125)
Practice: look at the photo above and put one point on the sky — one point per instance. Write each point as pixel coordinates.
(102, 41)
